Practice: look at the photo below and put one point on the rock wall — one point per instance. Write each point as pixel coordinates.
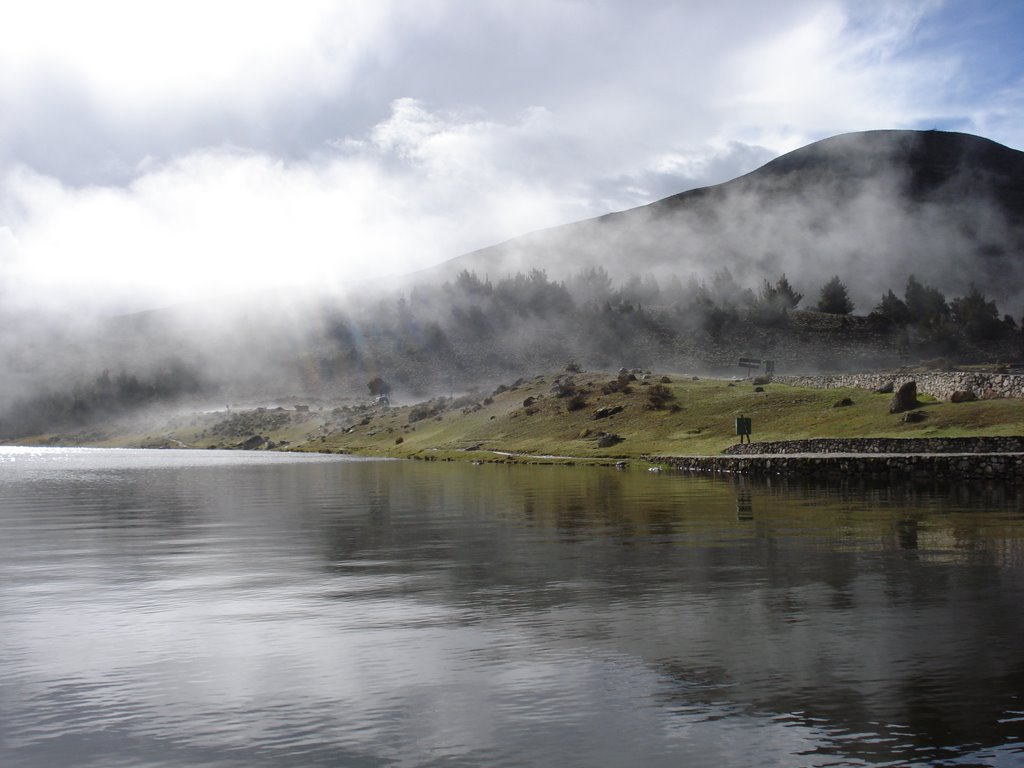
(888, 445)
(1006, 467)
(986, 386)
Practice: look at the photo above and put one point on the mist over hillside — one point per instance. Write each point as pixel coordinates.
(871, 207)
(924, 230)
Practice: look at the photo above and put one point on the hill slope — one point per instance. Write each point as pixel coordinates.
(872, 207)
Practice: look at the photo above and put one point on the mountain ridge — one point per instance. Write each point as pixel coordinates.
(949, 206)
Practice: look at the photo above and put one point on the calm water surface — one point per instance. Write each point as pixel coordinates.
(225, 609)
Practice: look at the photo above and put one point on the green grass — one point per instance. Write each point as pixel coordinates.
(702, 422)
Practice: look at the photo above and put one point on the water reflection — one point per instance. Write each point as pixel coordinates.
(225, 611)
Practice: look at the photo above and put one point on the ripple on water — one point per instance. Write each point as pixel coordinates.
(164, 609)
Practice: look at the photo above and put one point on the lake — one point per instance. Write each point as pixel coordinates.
(207, 608)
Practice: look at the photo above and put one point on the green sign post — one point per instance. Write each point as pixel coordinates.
(743, 427)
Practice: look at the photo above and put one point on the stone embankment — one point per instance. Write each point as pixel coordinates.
(985, 386)
(1006, 467)
(872, 445)
(949, 458)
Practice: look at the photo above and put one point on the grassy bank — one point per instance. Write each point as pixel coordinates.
(566, 415)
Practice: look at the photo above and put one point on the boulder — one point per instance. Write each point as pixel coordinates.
(905, 398)
(886, 389)
(253, 443)
(963, 396)
(607, 440)
(608, 410)
(913, 416)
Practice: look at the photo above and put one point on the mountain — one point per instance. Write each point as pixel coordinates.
(872, 207)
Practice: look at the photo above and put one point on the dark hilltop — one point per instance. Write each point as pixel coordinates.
(872, 207)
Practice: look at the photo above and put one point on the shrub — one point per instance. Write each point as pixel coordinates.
(378, 386)
(576, 402)
(418, 413)
(658, 396)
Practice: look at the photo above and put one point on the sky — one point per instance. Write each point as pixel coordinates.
(159, 152)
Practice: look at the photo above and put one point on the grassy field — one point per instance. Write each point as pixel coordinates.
(555, 415)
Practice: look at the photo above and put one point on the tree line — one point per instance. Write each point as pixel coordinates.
(104, 396)
(711, 303)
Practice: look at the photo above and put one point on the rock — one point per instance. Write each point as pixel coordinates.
(529, 401)
(607, 440)
(914, 416)
(886, 389)
(253, 443)
(608, 410)
(905, 398)
(963, 396)
(666, 380)
(759, 389)
(842, 403)
(585, 434)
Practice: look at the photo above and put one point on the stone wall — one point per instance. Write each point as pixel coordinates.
(986, 386)
(888, 445)
(1006, 467)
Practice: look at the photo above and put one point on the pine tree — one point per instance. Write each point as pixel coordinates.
(834, 298)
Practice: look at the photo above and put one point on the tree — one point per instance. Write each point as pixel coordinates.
(378, 386)
(892, 309)
(834, 298)
(774, 302)
(591, 285)
(926, 305)
(786, 293)
(726, 292)
(471, 285)
(976, 315)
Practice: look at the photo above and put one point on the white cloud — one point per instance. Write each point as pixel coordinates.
(168, 149)
(224, 220)
(130, 57)
(832, 73)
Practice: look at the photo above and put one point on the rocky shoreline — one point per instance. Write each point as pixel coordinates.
(872, 445)
(958, 459)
